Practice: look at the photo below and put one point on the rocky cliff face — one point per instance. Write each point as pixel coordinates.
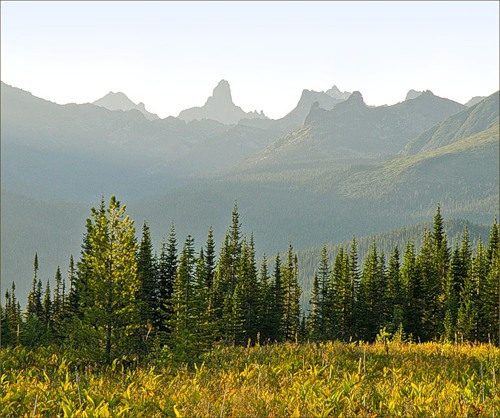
(220, 107)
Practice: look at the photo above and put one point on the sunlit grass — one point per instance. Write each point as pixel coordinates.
(304, 380)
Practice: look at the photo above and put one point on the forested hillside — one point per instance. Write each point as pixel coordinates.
(57, 158)
(122, 296)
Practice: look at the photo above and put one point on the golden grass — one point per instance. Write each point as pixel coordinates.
(296, 380)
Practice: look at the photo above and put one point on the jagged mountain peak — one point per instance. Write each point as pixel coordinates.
(120, 101)
(220, 107)
(336, 93)
(413, 94)
(222, 93)
(356, 98)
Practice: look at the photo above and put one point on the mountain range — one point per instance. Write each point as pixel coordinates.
(220, 107)
(120, 101)
(332, 167)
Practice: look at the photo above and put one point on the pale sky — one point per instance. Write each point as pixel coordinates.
(171, 55)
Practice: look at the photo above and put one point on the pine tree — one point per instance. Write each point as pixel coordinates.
(431, 288)
(314, 304)
(345, 310)
(109, 268)
(147, 296)
(278, 301)
(210, 257)
(371, 295)
(494, 240)
(468, 317)
(491, 290)
(440, 260)
(266, 303)
(324, 302)
(412, 284)
(204, 331)
(250, 292)
(167, 269)
(58, 306)
(332, 303)
(34, 301)
(394, 294)
(454, 284)
(291, 296)
(183, 325)
(73, 300)
(47, 308)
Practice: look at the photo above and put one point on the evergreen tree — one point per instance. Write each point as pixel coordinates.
(34, 306)
(210, 257)
(314, 304)
(455, 279)
(324, 302)
(183, 325)
(394, 294)
(278, 301)
(147, 296)
(109, 266)
(167, 269)
(291, 296)
(250, 292)
(372, 294)
(73, 303)
(266, 303)
(412, 284)
(491, 290)
(47, 308)
(431, 289)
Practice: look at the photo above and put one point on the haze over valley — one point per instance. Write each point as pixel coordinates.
(332, 167)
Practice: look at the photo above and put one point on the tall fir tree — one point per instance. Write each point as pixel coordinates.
(147, 294)
(167, 270)
(412, 284)
(291, 295)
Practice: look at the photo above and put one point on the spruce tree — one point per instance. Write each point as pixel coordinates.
(454, 284)
(266, 303)
(147, 296)
(324, 302)
(47, 308)
(314, 306)
(167, 269)
(278, 301)
(412, 283)
(33, 306)
(431, 288)
(183, 325)
(210, 257)
(394, 294)
(291, 295)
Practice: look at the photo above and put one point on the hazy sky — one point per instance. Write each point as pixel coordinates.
(171, 55)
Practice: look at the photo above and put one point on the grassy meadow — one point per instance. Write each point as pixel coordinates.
(287, 380)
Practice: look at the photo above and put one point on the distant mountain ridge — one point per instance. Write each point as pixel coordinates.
(220, 107)
(474, 100)
(352, 129)
(472, 120)
(120, 101)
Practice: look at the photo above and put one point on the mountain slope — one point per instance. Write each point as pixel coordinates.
(470, 121)
(465, 171)
(219, 107)
(353, 130)
(119, 101)
(474, 100)
(77, 151)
